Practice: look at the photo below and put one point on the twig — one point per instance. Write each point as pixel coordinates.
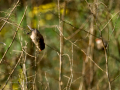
(110, 20)
(61, 47)
(2, 43)
(76, 27)
(25, 84)
(12, 71)
(71, 75)
(71, 68)
(115, 78)
(84, 53)
(14, 36)
(80, 28)
(12, 23)
(105, 50)
(107, 70)
(47, 87)
(35, 73)
(24, 52)
(27, 53)
(9, 15)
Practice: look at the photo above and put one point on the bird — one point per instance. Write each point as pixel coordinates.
(101, 44)
(37, 39)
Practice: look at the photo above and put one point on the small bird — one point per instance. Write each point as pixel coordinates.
(101, 44)
(37, 39)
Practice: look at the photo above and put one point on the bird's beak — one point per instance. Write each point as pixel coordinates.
(30, 28)
(40, 50)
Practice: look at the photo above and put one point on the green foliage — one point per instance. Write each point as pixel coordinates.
(43, 71)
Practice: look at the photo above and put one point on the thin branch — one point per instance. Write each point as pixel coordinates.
(35, 72)
(14, 36)
(12, 23)
(9, 16)
(71, 68)
(84, 53)
(60, 27)
(12, 71)
(110, 20)
(105, 50)
(107, 69)
(115, 78)
(70, 79)
(48, 86)
(25, 71)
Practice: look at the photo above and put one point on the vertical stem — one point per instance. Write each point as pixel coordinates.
(107, 70)
(89, 66)
(71, 69)
(106, 58)
(47, 87)
(87, 71)
(60, 55)
(61, 42)
(24, 70)
(83, 77)
(35, 71)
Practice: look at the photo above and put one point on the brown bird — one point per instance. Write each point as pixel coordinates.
(37, 39)
(101, 44)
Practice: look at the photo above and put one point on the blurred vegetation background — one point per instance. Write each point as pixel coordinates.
(82, 22)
